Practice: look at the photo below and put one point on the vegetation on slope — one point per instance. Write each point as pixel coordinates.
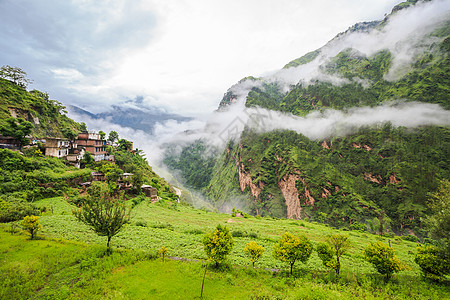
(48, 116)
(380, 177)
(56, 268)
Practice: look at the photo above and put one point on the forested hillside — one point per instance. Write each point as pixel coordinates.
(48, 116)
(378, 177)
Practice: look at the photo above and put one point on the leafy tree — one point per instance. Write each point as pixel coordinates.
(383, 259)
(254, 251)
(104, 211)
(137, 180)
(218, 244)
(331, 251)
(125, 145)
(102, 134)
(291, 248)
(163, 251)
(112, 172)
(87, 159)
(16, 75)
(31, 224)
(18, 129)
(83, 127)
(69, 134)
(439, 222)
(113, 136)
(433, 262)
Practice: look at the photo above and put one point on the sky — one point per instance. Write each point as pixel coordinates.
(178, 55)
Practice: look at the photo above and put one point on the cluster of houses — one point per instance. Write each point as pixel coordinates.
(122, 183)
(73, 151)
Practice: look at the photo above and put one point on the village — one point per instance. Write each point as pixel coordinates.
(73, 151)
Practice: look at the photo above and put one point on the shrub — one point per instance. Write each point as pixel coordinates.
(31, 224)
(331, 251)
(410, 238)
(291, 248)
(163, 251)
(218, 244)
(433, 262)
(195, 231)
(383, 259)
(237, 233)
(358, 226)
(141, 223)
(252, 235)
(390, 235)
(163, 226)
(254, 251)
(17, 210)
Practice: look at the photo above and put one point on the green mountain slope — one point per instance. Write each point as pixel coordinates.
(381, 174)
(48, 116)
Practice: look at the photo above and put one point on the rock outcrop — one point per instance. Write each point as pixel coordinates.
(291, 195)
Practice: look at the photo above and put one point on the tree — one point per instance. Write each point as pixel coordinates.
(137, 180)
(83, 127)
(16, 75)
(104, 211)
(31, 224)
(433, 262)
(102, 134)
(331, 251)
(87, 159)
(218, 244)
(113, 136)
(439, 222)
(163, 251)
(125, 145)
(291, 248)
(254, 251)
(18, 129)
(383, 259)
(69, 134)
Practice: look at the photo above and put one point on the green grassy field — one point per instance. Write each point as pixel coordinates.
(68, 261)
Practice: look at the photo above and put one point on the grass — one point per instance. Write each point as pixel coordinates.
(68, 261)
(179, 228)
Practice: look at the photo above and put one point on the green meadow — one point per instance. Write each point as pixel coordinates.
(68, 260)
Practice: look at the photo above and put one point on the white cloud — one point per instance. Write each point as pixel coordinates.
(182, 53)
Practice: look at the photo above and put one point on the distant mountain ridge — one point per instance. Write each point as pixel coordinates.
(139, 118)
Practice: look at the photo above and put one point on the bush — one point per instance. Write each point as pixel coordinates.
(254, 251)
(163, 226)
(291, 248)
(141, 223)
(237, 233)
(331, 251)
(15, 211)
(31, 224)
(383, 259)
(433, 262)
(218, 244)
(195, 231)
(389, 235)
(410, 238)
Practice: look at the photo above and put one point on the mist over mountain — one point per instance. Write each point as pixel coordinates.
(357, 130)
(133, 114)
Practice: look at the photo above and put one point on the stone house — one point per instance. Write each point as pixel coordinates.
(56, 147)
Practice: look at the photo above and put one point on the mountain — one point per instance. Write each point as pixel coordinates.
(133, 115)
(301, 163)
(48, 116)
